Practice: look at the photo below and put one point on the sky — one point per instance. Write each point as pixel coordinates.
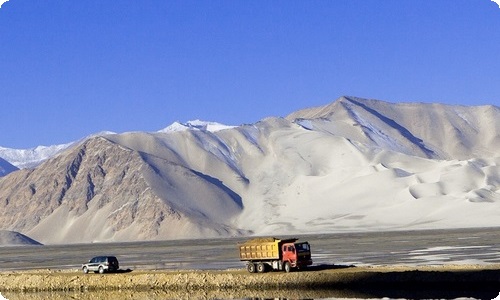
(71, 68)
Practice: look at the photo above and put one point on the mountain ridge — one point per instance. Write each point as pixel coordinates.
(414, 129)
(352, 165)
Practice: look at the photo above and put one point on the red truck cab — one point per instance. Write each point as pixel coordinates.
(296, 255)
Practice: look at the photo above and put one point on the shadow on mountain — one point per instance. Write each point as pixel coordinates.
(218, 183)
(401, 129)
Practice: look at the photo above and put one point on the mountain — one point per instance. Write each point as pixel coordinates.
(196, 125)
(427, 130)
(352, 165)
(101, 190)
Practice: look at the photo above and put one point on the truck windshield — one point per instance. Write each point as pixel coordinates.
(302, 247)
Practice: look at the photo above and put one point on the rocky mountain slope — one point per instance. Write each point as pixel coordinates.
(354, 164)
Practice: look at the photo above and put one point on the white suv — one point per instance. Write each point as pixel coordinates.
(101, 264)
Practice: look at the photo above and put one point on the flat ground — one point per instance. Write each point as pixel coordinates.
(441, 264)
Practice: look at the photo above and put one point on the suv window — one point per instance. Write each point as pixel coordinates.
(112, 259)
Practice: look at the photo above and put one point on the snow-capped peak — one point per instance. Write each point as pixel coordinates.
(32, 157)
(196, 125)
(29, 158)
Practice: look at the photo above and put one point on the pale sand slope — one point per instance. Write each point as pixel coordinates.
(353, 165)
(328, 183)
(362, 172)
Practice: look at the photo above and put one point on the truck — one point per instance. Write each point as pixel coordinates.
(269, 253)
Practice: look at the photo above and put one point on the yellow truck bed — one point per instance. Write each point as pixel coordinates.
(261, 248)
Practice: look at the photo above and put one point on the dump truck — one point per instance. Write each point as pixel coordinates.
(262, 254)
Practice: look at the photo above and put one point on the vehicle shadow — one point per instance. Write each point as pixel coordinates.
(123, 271)
(323, 267)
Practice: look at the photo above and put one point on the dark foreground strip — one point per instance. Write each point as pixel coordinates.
(415, 284)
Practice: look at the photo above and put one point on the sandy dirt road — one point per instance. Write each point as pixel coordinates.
(467, 246)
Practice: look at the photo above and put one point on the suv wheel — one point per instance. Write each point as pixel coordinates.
(101, 270)
(85, 270)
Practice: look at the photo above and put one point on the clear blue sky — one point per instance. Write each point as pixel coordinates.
(71, 68)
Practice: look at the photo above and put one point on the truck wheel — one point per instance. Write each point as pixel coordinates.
(287, 267)
(261, 268)
(251, 268)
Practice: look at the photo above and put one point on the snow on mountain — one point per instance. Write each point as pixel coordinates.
(196, 125)
(31, 158)
(352, 165)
